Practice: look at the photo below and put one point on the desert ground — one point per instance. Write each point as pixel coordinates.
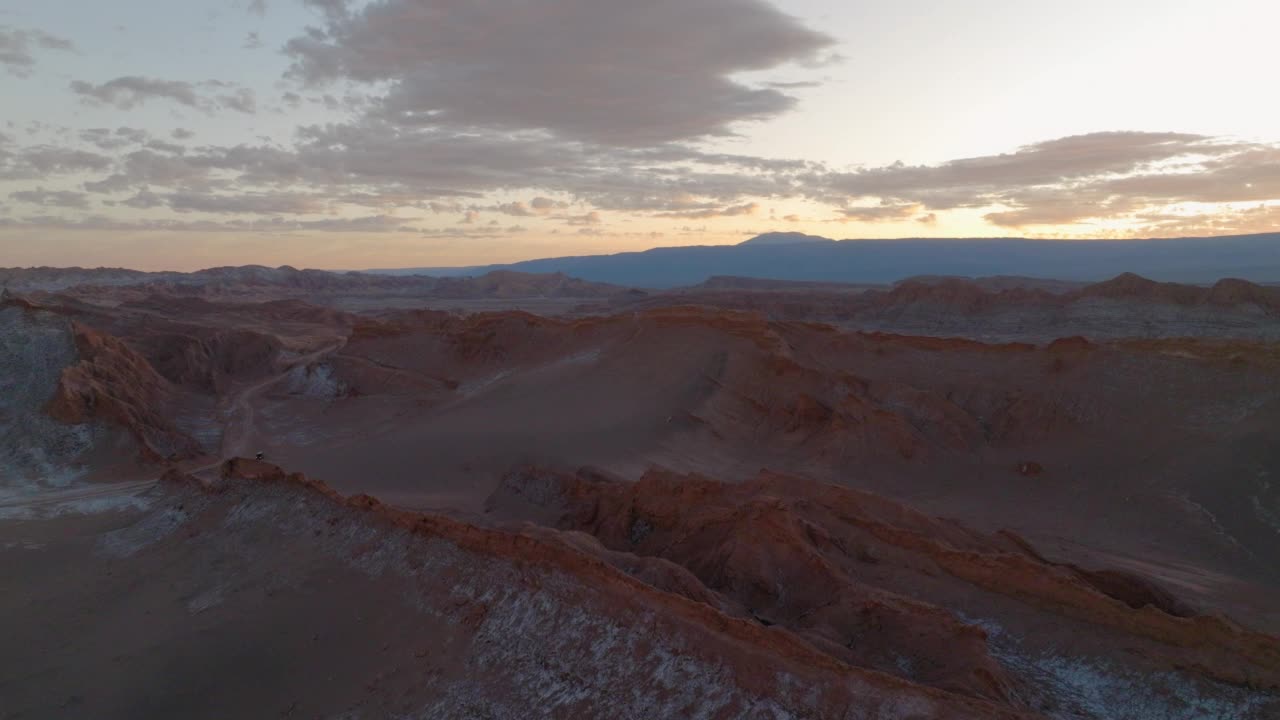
(524, 495)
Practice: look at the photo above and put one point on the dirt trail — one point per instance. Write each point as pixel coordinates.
(240, 423)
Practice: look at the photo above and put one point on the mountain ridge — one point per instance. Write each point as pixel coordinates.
(1190, 260)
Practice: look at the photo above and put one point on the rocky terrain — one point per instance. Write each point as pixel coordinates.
(945, 498)
(499, 289)
(1006, 309)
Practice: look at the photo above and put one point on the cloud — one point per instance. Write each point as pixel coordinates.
(241, 100)
(546, 205)
(108, 139)
(708, 213)
(1258, 219)
(367, 224)
(165, 147)
(585, 70)
(630, 148)
(516, 209)
(182, 134)
(249, 203)
(539, 206)
(591, 218)
(130, 91)
(41, 161)
(148, 167)
(52, 198)
(797, 85)
(445, 207)
(144, 200)
(970, 182)
(17, 48)
(331, 9)
(878, 213)
(1082, 178)
(252, 41)
(257, 7)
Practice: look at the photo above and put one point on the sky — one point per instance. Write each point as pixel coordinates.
(349, 134)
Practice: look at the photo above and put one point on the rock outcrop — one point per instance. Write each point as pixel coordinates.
(855, 574)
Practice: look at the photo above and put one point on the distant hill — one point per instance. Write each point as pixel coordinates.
(789, 256)
(786, 238)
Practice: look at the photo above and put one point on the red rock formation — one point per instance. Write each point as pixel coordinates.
(752, 542)
(760, 651)
(116, 385)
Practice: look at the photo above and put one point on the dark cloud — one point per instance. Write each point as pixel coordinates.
(130, 91)
(545, 204)
(52, 198)
(18, 47)
(516, 209)
(182, 134)
(577, 69)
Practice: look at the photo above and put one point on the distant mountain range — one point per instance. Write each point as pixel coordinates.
(795, 256)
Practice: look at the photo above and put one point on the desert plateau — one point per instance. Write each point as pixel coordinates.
(943, 497)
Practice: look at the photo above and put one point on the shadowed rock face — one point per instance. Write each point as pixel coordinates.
(34, 448)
